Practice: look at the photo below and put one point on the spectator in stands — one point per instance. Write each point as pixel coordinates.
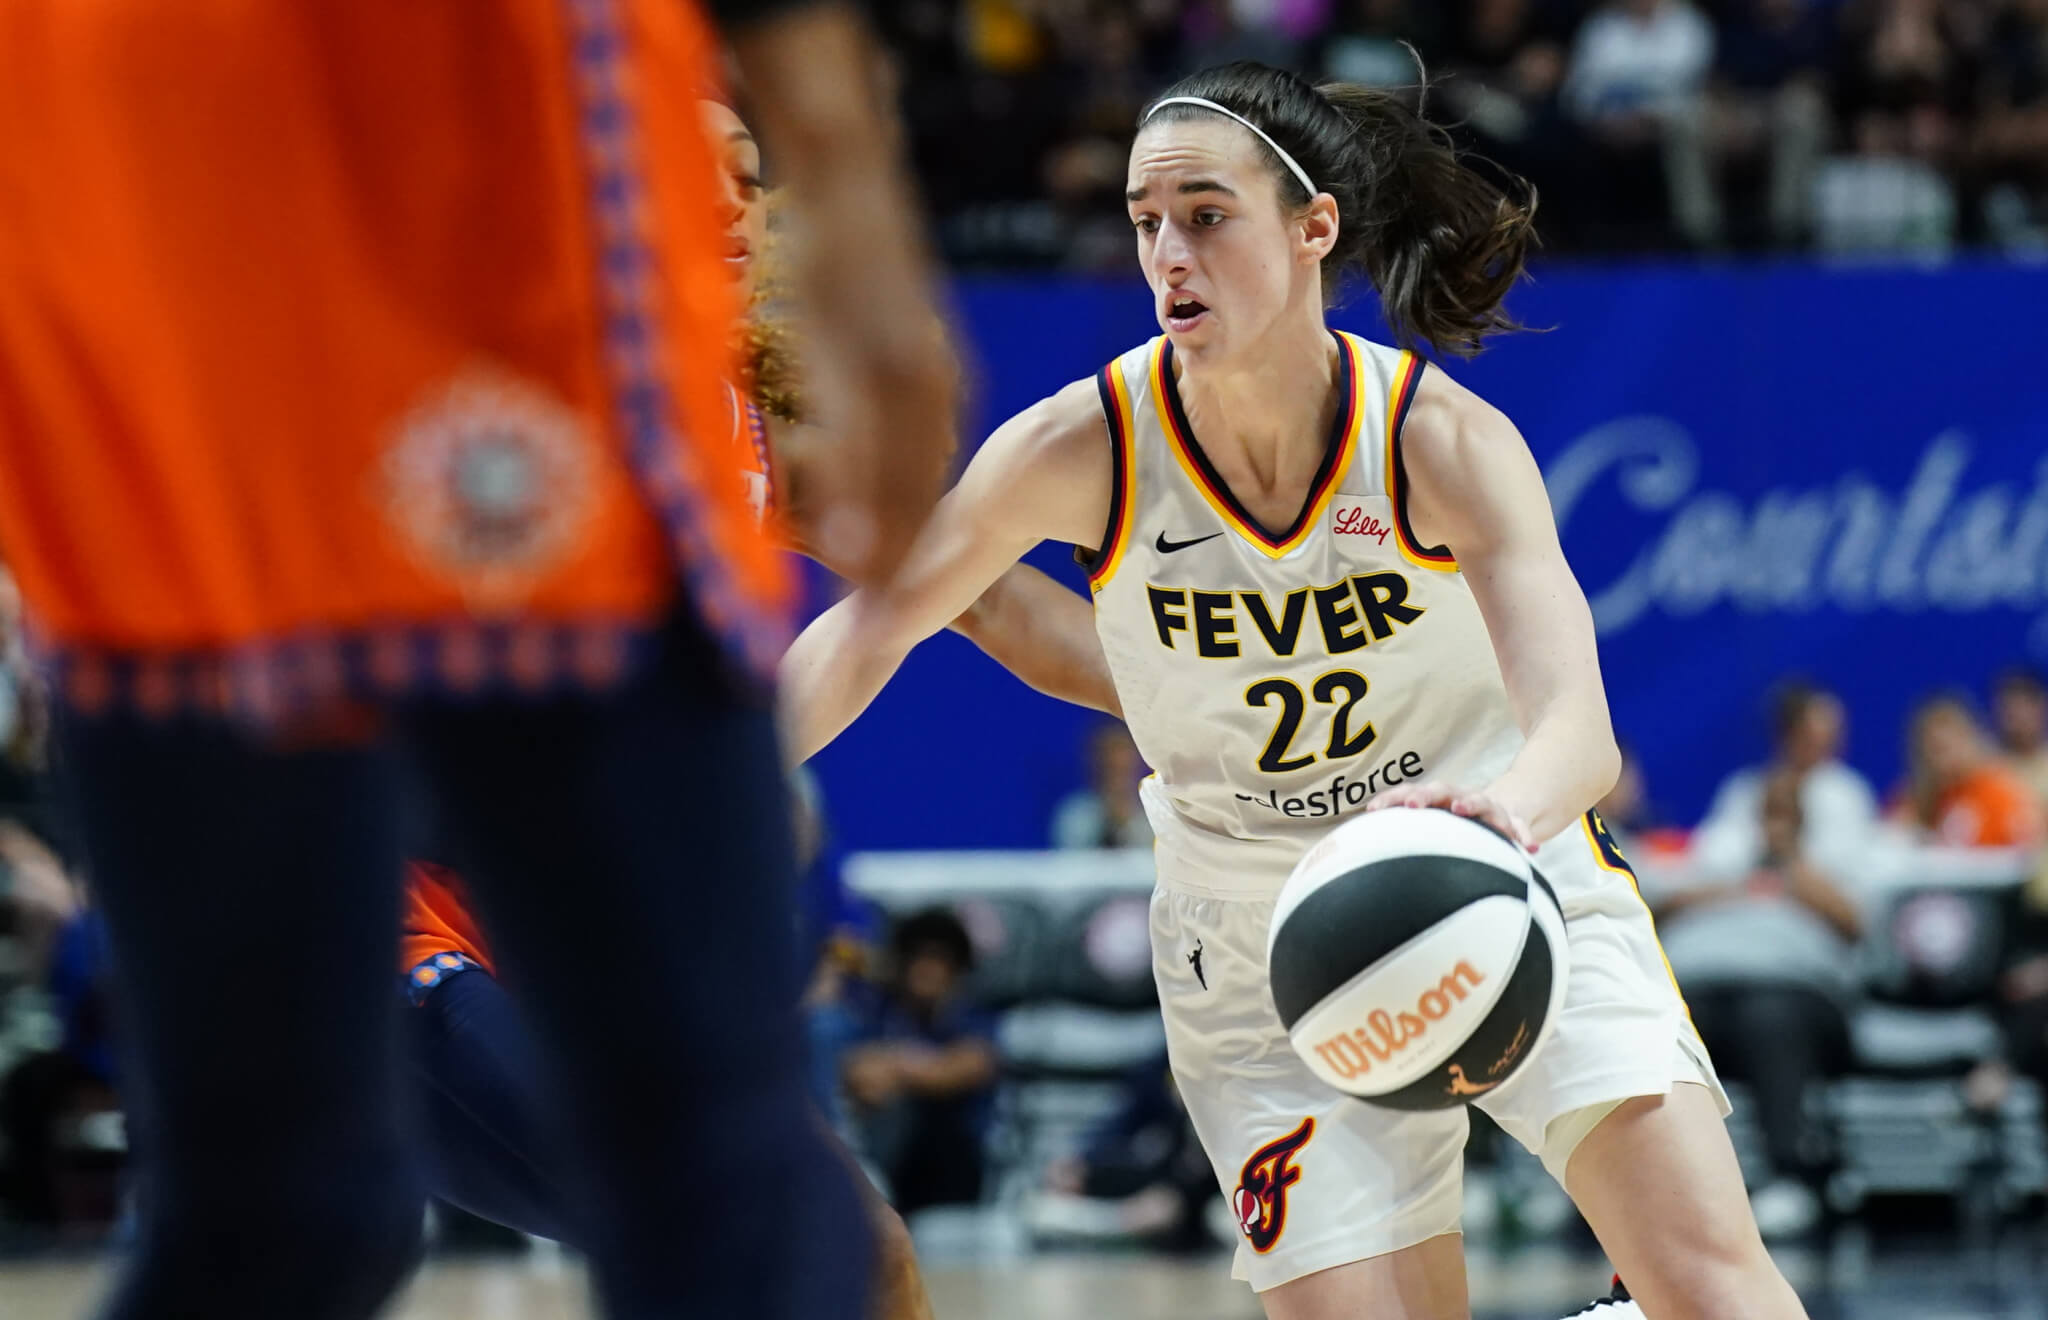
(1376, 42)
(1958, 791)
(24, 722)
(923, 1079)
(2019, 710)
(2010, 140)
(1769, 105)
(1498, 78)
(1637, 84)
(1767, 964)
(1107, 813)
(1906, 79)
(1110, 52)
(983, 100)
(835, 933)
(1837, 806)
(2022, 999)
(1908, 70)
(1927, 93)
(61, 1147)
(38, 897)
(1219, 31)
(1142, 1175)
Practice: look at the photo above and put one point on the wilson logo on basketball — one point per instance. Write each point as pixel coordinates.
(1352, 1053)
(1261, 1197)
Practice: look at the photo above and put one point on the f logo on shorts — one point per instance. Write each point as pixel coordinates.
(1261, 1197)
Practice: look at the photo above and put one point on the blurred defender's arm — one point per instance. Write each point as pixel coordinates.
(860, 271)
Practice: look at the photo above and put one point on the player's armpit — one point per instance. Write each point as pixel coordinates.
(1043, 633)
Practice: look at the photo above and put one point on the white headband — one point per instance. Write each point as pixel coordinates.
(1285, 159)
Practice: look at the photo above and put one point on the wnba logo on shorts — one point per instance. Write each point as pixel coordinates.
(1352, 1053)
(1261, 1197)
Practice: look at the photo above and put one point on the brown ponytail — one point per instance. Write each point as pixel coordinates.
(1440, 242)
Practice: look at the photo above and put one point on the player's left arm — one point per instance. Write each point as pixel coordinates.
(1039, 630)
(1044, 633)
(1474, 487)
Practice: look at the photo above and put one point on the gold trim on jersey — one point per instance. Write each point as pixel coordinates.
(1123, 485)
(1180, 444)
(1407, 374)
(1607, 856)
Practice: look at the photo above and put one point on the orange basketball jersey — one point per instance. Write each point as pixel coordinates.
(373, 343)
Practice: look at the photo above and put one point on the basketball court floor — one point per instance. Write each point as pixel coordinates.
(1855, 1278)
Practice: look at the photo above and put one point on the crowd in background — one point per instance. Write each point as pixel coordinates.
(1763, 906)
(1836, 125)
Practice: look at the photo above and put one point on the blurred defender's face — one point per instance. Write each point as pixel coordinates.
(1221, 256)
(742, 201)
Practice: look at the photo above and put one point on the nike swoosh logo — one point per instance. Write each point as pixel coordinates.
(1166, 547)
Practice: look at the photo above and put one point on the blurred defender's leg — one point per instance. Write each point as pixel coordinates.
(250, 897)
(632, 857)
(486, 1138)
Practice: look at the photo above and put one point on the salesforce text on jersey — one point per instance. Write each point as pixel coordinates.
(1345, 791)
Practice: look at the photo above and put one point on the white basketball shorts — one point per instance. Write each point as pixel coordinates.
(1316, 1178)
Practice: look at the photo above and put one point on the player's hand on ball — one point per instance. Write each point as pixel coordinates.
(1477, 804)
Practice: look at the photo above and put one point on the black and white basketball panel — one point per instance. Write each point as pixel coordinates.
(1416, 958)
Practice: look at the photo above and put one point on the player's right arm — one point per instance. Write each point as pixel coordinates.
(1044, 474)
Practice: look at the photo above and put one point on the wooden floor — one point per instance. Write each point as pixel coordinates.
(1129, 1288)
(1849, 1282)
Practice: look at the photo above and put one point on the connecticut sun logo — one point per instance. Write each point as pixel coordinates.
(1261, 1198)
(490, 480)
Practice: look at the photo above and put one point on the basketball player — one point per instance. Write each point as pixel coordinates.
(1327, 580)
(371, 357)
(486, 1146)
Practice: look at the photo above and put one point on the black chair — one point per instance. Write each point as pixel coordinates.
(1931, 964)
(1011, 936)
(1067, 1052)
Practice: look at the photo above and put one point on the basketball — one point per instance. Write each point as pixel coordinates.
(1416, 958)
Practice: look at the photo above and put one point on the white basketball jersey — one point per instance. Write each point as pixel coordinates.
(1275, 679)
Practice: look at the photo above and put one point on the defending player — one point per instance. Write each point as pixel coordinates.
(1347, 593)
(487, 1144)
